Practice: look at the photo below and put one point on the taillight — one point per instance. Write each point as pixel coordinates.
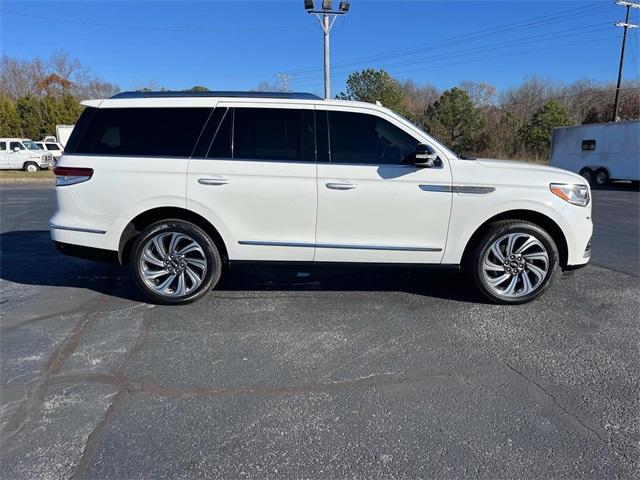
(71, 175)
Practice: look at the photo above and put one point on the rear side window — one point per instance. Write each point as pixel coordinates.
(3, 145)
(588, 145)
(367, 139)
(166, 132)
(268, 134)
(51, 146)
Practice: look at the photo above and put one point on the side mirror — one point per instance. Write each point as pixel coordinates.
(16, 149)
(425, 156)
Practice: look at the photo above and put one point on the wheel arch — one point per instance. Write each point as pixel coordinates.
(146, 218)
(537, 218)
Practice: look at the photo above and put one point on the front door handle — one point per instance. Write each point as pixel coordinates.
(341, 186)
(213, 181)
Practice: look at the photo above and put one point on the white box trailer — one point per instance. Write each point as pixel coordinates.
(599, 152)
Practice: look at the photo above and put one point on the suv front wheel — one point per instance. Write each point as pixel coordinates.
(514, 262)
(175, 262)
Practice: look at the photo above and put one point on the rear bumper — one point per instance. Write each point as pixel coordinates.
(88, 253)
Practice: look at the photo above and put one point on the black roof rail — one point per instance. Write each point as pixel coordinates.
(212, 93)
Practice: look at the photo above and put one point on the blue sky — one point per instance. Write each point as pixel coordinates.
(238, 44)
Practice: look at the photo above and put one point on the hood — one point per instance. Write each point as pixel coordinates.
(526, 167)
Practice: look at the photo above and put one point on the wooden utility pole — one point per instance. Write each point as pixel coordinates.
(626, 25)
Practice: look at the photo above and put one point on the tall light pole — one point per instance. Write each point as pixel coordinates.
(626, 25)
(327, 17)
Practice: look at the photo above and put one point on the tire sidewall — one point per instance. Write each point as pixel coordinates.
(587, 174)
(28, 165)
(214, 261)
(499, 230)
(603, 172)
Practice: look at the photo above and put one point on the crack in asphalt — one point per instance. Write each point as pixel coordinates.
(95, 436)
(161, 391)
(35, 391)
(562, 408)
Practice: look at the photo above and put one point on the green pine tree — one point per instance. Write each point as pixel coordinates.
(536, 135)
(373, 86)
(456, 121)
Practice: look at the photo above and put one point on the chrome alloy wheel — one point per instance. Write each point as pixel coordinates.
(172, 264)
(515, 265)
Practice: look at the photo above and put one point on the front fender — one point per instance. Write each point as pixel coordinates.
(471, 212)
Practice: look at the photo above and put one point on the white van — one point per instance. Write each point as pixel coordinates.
(599, 152)
(179, 184)
(23, 154)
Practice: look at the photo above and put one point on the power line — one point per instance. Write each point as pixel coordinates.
(157, 29)
(496, 46)
(488, 58)
(497, 30)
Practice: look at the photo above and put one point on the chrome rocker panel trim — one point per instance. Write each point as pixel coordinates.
(341, 246)
(53, 226)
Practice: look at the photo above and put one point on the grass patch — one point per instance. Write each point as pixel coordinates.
(20, 176)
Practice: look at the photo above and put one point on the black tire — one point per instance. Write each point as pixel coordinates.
(31, 167)
(601, 177)
(209, 250)
(587, 173)
(475, 264)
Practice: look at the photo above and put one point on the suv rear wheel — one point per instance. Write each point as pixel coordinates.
(175, 262)
(514, 262)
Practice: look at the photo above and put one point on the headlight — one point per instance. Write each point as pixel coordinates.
(574, 194)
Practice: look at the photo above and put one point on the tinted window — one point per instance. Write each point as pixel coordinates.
(14, 145)
(79, 129)
(362, 138)
(267, 134)
(51, 146)
(3, 145)
(322, 136)
(588, 145)
(170, 132)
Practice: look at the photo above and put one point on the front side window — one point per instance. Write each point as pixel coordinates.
(268, 134)
(366, 139)
(14, 145)
(165, 132)
(31, 145)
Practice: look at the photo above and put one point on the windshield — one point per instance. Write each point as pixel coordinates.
(31, 145)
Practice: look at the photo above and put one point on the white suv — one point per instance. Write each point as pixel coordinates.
(53, 147)
(180, 184)
(23, 154)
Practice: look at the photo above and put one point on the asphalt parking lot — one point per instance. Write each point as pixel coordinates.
(320, 373)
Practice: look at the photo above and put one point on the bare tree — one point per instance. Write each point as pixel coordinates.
(18, 78)
(418, 97)
(481, 94)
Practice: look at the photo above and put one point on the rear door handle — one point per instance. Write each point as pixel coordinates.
(341, 186)
(213, 181)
